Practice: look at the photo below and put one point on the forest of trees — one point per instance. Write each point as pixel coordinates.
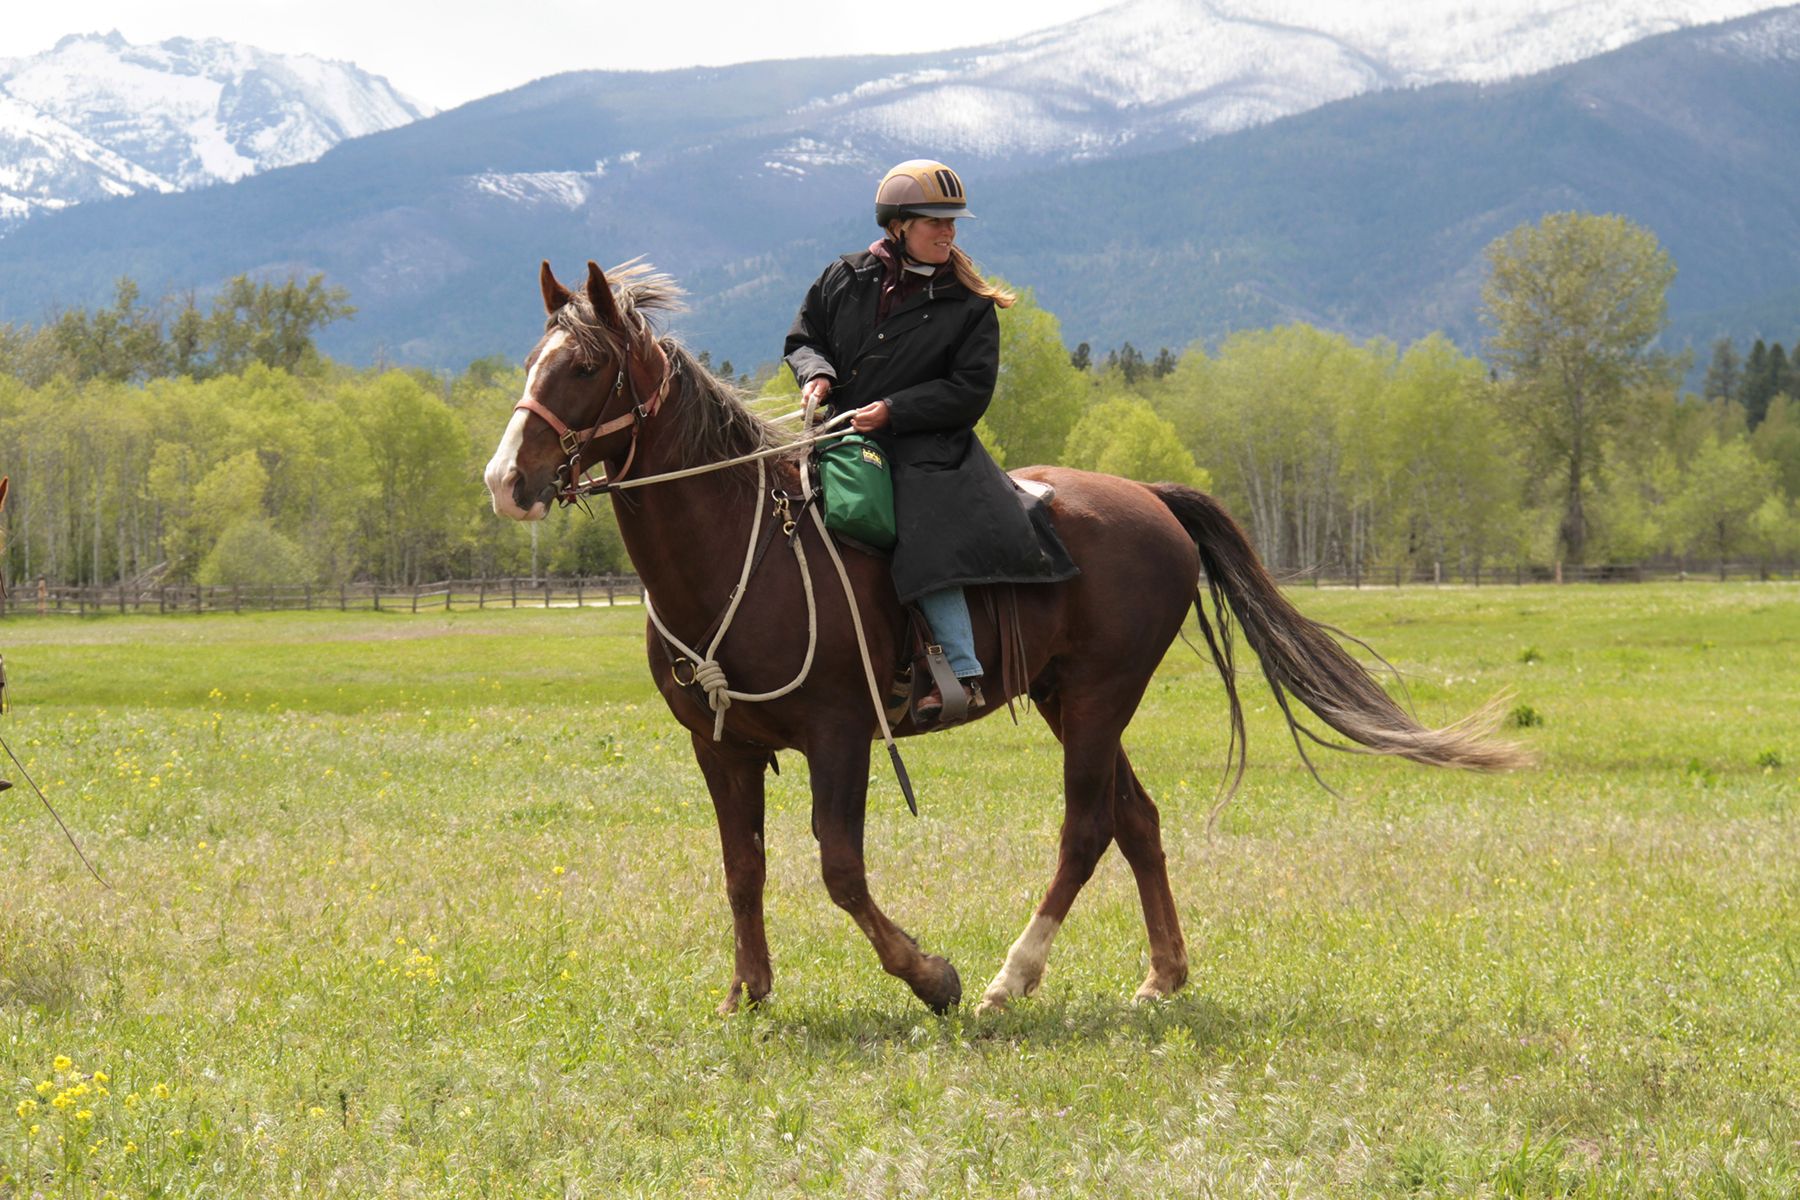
(166, 443)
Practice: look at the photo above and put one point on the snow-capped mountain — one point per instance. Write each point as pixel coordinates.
(97, 116)
(1151, 73)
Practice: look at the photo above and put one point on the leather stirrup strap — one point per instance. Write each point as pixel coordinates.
(956, 699)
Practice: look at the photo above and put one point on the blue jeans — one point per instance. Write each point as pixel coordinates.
(948, 614)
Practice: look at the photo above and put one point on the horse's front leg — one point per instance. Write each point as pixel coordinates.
(840, 787)
(735, 779)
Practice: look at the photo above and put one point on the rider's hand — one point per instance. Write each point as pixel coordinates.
(816, 389)
(870, 417)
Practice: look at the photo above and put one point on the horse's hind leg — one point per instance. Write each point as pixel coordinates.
(1090, 749)
(840, 787)
(1138, 829)
(735, 779)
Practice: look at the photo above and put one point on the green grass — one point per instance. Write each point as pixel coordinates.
(431, 906)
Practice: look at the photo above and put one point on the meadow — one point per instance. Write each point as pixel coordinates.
(431, 906)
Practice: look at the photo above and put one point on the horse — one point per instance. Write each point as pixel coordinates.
(603, 388)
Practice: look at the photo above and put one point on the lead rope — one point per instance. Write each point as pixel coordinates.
(862, 641)
(707, 671)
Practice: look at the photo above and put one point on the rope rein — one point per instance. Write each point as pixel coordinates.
(707, 671)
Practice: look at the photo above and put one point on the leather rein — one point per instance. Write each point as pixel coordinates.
(574, 442)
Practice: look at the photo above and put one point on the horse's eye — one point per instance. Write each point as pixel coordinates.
(586, 370)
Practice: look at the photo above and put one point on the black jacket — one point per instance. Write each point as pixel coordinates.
(934, 359)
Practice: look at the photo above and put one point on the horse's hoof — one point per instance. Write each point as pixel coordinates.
(740, 995)
(1160, 987)
(994, 1002)
(946, 992)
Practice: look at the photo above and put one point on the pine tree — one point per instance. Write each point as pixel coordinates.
(1725, 373)
(1758, 386)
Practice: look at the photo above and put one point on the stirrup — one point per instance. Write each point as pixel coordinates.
(950, 710)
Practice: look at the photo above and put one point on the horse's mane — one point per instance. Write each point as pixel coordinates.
(709, 418)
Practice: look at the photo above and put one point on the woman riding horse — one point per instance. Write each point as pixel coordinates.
(601, 387)
(904, 336)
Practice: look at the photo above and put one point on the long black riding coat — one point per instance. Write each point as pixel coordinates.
(961, 519)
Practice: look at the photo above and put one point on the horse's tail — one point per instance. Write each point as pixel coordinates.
(1300, 656)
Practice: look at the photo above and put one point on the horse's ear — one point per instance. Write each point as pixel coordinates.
(3, 482)
(600, 295)
(555, 294)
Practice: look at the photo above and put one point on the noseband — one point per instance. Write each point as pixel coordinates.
(574, 441)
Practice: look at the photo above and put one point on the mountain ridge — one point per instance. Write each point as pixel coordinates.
(1367, 214)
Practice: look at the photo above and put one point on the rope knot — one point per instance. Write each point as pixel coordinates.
(711, 677)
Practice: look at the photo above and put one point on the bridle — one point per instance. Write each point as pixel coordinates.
(574, 442)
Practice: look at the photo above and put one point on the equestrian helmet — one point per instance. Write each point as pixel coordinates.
(920, 187)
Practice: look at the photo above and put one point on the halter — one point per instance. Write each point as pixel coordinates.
(574, 441)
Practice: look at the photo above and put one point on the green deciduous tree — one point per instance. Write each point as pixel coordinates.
(1777, 442)
(119, 343)
(252, 553)
(1124, 436)
(1725, 485)
(258, 321)
(1573, 304)
(1039, 394)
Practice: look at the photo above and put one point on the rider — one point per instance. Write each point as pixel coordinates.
(905, 336)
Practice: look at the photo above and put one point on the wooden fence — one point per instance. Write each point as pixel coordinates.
(444, 595)
(1426, 574)
(453, 594)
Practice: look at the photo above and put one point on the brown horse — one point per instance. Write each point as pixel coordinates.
(599, 377)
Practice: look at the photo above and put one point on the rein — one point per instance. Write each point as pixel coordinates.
(705, 671)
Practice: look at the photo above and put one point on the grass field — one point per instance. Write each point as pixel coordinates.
(431, 906)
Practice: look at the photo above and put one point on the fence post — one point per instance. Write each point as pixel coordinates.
(1559, 571)
(308, 594)
(609, 591)
(1396, 576)
(375, 590)
(1437, 574)
(415, 597)
(547, 590)
(578, 591)
(448, 587)
(515, 591)
(481, 595)
(237, 598)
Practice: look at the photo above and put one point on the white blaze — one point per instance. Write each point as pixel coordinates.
(503, 468)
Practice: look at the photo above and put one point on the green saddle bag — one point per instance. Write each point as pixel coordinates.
(858, 486)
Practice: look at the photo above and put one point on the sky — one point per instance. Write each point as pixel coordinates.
(451, 51)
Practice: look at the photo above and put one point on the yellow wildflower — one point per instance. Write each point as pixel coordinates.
(131, 1101)
(315, 1111)
(27, 1107)
(34, 1130)
(160, 1091)
(80, 1089)
(131, 1147)
(45, 1088)
(85, 1114)
(102, 1077)
(62, 1100)
(62, 1062)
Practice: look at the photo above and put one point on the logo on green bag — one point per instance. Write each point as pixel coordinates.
(872, 455)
